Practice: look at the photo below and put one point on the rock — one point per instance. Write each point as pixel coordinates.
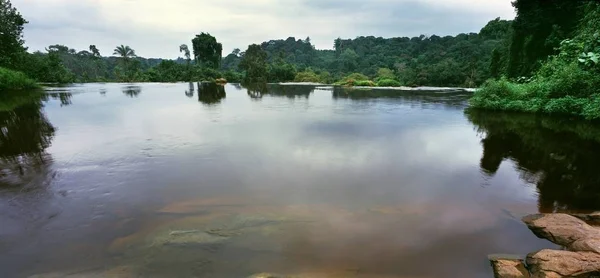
(565, 230)
(508, 266)
(592, 218)
(555, 264)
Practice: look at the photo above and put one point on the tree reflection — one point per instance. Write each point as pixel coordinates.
(257, 91)
(132, 91)
(210, 92)
(559, 155)
(417, 97)
(190, 91)
(25, 135)
(64, 97)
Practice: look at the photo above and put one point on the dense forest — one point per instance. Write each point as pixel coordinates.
(546, 60)
(461, 60)
(552, 65)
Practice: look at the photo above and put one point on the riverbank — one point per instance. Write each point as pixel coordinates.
(15, 80)
(577, 235)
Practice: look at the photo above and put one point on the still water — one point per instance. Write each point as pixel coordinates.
(176, 180)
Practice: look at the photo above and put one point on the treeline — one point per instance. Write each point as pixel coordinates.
(462, 60)
(552, 62)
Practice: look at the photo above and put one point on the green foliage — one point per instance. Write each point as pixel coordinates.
(388, 83)
(567, 83)
(206, 74)
(167, 71)
(207, 51)
(254, 63)
(385, 73)
(308, 76)
(233, 76)
(14, 80)
(281, 72)
(539, 28)
(356, 79)
(11, 34)
(363, 83)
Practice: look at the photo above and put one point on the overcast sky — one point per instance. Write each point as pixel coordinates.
(157, 28)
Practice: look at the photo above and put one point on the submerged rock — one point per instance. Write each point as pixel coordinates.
(565, 230)
(555, 264)
(507, 266)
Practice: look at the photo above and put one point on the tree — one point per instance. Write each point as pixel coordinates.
(186, 52)
(254, 62)
(11, 34)
(207, 51)
(385, 73)
(495, 64)
(95, 51)
(125, 52)
(129, 69)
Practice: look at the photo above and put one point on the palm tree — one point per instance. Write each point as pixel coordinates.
(125, 52)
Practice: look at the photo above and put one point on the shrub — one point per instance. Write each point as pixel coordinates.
(388, 83)
(364, 83)
(308, 76)
(15, 80)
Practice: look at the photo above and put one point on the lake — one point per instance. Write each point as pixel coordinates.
(188, 180)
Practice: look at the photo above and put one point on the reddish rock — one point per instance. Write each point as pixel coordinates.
(559, 264)
(508, 267)
(565, 230)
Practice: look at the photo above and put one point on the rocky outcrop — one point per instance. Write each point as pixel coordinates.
(555, 264)
(574, 232)
(592, 219)
(506, 266)
(565, 230)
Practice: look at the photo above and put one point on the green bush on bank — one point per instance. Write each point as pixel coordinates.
(388, 83)
(15, 80)
(568, 83)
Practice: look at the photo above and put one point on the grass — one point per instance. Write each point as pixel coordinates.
(14, 80)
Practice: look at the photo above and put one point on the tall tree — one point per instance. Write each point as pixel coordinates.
(95, 51)
(539, 28)
(125, 52)
(11, 34)
(207, 51)
(254, 62)
(129, 70)
(186, 52)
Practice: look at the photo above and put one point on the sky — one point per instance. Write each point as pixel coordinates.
(157, 28)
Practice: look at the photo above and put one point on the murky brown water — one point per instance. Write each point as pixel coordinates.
(157, 180)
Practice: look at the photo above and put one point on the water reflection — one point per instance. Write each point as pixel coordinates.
(559, 155)
(210, 92)
(64, 97)
(25, 133)
(132, 91)
(257, 91)
(190, 91)
(418, 97)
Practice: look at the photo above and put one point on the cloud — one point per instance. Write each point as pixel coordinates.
(157, 28)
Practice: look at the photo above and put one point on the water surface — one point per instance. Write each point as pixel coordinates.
(186, 180)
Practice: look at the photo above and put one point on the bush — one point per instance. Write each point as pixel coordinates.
(233, 76)
(355, 79)
(15, 80)
(364, 83)
(308, 76)
(388, 83)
